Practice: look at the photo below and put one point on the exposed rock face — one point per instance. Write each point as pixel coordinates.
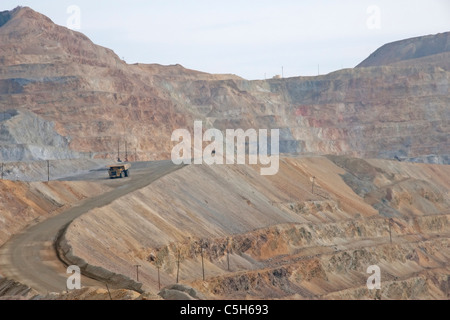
(26, 136)
(93, 101)
(93, 98)
(180, 292)
(271, 237)
(25, 203)
(13, 290)
(10, 289)
(436, 47)
(369, 112)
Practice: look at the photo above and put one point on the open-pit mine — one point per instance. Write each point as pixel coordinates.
(363, 180)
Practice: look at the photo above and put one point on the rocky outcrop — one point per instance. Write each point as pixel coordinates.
(26, 136)
(13, 290)
(4, 17)
(92, 102)
(180, 292)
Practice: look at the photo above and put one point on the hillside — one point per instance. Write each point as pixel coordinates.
(423, 50)
(273, 237)
(81, 100)
(263, 237)
(349, 192)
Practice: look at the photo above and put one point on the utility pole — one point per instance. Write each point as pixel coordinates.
(312, 179)
(228, 254)
(137, 271)
(118, 151)
(2, 170)
(203, 266)
(159, 280)
(282, 72)
(178, 263)
(48, 170)
(390, 233)
(126, 151)
(109, 293)
(446, 288)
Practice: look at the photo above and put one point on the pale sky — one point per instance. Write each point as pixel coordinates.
(250, 38)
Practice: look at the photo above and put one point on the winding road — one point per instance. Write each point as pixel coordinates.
(30, 257)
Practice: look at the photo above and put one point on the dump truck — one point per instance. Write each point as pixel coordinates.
(119, 170)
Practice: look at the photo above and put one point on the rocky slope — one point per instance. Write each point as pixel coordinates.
(26, 203)
(23, 204)
(13, 290)
(422, 50)
(276, 237)
(82, 100)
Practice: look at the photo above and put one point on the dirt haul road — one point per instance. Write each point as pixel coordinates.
(30, 257)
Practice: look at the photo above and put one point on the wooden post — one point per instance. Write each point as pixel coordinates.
(203, 266)
(109, 293)
(390, 233)
(313, 179)
(137, 271)
(48, 170)
(178, 263)
(118, 151)
(2, 170)
(159, 280)
(446, 289)
(228, 254)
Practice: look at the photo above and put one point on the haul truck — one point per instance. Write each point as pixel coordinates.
(119, 170)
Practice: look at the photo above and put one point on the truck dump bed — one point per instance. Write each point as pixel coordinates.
(125, 166)
(119, 170)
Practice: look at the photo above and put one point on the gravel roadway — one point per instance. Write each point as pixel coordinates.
(30, 257)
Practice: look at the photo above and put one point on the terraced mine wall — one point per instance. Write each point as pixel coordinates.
(272, 237)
